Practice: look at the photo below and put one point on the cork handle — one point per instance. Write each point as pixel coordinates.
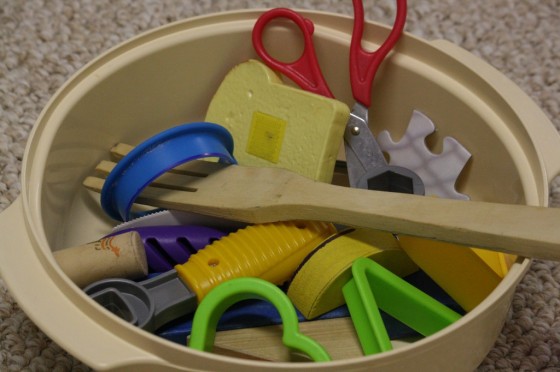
(119, 256)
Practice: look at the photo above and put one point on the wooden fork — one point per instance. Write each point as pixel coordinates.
(259, 195)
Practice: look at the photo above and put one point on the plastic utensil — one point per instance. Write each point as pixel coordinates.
(228, 293)
(372, 287)
(259, 195)
(271, 252)
(167, 246)
(167, 217)
(157, 155)
(367, 167)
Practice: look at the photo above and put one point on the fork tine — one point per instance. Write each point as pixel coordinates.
(176, 178)
(104, 167)
(200, 168)
(120, 150)
(169, 197)
(185, 178)
(150, 193)
(178, 181)
(93, 183)
(173, 189)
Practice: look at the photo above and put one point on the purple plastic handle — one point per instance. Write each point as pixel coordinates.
(167, 246)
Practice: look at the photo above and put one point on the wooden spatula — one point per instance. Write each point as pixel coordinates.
(259, 195)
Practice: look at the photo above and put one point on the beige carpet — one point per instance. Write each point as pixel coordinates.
(43, 42)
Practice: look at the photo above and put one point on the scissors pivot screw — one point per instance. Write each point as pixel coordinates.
(355, 130)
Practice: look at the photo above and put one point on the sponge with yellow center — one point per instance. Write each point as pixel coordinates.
(273, 124)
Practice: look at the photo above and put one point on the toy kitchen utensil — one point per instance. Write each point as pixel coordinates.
(167, 246)
(258, 195)
(159, 154)
(228, 293)
(271, 252)
(371, 287)
(167, 217)
(367, 167)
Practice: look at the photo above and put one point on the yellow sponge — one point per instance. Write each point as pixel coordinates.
(317, 285)
(273, 124)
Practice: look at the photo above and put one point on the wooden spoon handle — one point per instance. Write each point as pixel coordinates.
(517, 229)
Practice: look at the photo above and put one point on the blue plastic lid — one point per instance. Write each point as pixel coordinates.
(157, 155)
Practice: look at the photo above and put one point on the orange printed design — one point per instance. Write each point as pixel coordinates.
(107, 244)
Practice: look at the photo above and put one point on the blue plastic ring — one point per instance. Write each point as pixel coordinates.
(157, 155)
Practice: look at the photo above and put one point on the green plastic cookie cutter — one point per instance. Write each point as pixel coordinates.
(373, 287)
(223, 296)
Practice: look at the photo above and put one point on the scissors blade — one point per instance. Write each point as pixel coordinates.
(361, 149)
(367, 166)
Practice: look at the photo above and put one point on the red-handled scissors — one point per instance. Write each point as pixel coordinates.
(367, 167)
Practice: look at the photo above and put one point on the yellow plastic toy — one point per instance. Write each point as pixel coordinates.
(317, 285)
(273, 124)
(268, 251)
(467, 275)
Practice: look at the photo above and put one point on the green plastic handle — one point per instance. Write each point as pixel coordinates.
(223, 296)
(372, 287)
(367, 320)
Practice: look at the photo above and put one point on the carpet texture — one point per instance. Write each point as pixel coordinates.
(42, 43)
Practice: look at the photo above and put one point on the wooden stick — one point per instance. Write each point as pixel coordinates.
(260, 195)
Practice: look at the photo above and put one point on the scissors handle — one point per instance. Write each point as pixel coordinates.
(364, 64)
(304, 71)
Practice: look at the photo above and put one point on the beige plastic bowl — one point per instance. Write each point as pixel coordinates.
(168, 76)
